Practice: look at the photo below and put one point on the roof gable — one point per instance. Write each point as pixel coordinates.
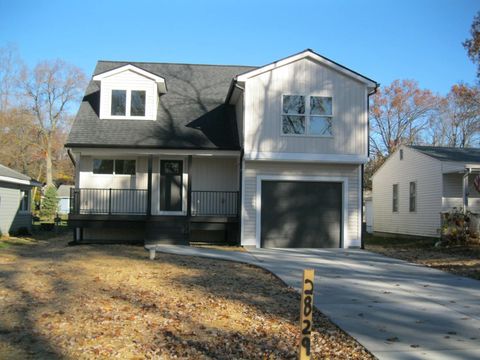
(162, 87)
(308, 54)
(464, 155)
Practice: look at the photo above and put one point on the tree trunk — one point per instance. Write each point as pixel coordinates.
(48, 163)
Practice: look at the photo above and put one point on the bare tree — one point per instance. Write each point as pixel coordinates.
(10, 66)
(399, 113)
(51, 89)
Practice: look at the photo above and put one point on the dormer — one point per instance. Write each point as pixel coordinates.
(129, 93)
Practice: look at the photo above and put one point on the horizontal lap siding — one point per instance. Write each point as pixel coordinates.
(253, 169)
(426, 171)
(263, 104)
(10, 217)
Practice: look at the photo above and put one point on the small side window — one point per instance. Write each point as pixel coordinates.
(395, 198)
(413, 197)
(401, 154)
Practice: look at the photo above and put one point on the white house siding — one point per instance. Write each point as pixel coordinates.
(214, 174)
(263, 99)
(427, 172)
(257, 168)
(128, 80)
(11, 218)
(453, 193)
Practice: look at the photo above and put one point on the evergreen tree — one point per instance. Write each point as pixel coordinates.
(49, 204)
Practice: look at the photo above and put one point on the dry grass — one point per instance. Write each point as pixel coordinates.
(459, 260)
(110, 301)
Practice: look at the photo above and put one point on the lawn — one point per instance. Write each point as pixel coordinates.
(110, 301)
(460, 260)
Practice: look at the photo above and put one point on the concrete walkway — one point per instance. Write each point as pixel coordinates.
(396, 309)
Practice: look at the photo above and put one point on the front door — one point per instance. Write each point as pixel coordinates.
(171, 185)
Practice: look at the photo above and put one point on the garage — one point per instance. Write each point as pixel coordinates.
(301, 214)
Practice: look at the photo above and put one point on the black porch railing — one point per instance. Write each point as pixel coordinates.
(108, 201)
(134, 202)
(215, 203)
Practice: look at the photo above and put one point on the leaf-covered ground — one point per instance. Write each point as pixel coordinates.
(110, 301)
(459, 260)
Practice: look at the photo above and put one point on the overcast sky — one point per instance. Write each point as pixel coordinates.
(384, 40)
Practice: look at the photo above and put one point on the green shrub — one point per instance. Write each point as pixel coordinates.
(49, 204)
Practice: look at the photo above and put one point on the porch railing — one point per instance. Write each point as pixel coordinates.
(215, 203)
(108, 201)
(134, 202)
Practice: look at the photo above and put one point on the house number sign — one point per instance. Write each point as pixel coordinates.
(306, 314)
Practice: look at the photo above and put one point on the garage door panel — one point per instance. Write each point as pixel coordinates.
(301, 214)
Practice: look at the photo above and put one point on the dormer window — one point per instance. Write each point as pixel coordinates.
(132, 100)
(129, 93)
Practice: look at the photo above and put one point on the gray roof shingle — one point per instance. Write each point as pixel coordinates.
(467, 155)
(7, 172)
(191, 115)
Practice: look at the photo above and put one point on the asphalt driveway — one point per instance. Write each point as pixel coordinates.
(397, 310)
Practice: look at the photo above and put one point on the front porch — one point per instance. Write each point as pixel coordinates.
(168, 199)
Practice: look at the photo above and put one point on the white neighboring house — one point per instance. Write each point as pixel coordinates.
(271, 155)
(417, 183)
(63, 196)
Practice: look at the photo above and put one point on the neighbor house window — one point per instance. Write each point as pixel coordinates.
(128, 103)
(401, 154)
(119, 102)
(24, 204)
(413, 196)
(307, 115)
(114, 167)
(395, 198)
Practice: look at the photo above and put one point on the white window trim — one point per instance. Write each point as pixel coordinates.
(345, 239)
(307, 117)
(113, 173)
(398, 199)
(20, 210)
(128, 105)
(416, 196)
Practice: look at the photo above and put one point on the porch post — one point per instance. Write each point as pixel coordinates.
(465, 190)
(149, 185)
(189, 186)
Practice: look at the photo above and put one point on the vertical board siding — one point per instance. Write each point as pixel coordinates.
(214, 174)
(263, 99)
(128, 80)
(255, 168)
(426, 171)
(11, 219)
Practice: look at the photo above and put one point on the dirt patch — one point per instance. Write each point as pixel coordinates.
(459, 260)
(110, 301)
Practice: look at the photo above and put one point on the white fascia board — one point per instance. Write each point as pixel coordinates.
(307, 54)
(8, 179)
(181, 152)
(306, 157)
(162, 87)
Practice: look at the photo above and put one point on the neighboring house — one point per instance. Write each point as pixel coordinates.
(63, 196)
(368, 211)
(15, 200)
(272, 156)
(417, 183)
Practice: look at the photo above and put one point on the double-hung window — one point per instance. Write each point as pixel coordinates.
(413, 197)
(307, 115)
(395, 198)
(128, 103)
(114, 167)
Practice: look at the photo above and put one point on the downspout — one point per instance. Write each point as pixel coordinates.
(465, 189)
(362, 233)
(72, 158)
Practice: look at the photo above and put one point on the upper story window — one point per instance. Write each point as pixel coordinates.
(307, 115)
(114, 167)
(128, 103)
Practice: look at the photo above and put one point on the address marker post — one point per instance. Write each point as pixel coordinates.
(306, 313)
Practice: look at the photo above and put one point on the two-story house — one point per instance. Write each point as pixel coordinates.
(271, 156)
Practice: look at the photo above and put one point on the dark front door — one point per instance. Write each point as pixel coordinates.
(301, 214)
(171, 185)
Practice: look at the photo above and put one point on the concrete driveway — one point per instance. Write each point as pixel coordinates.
(397, 310)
